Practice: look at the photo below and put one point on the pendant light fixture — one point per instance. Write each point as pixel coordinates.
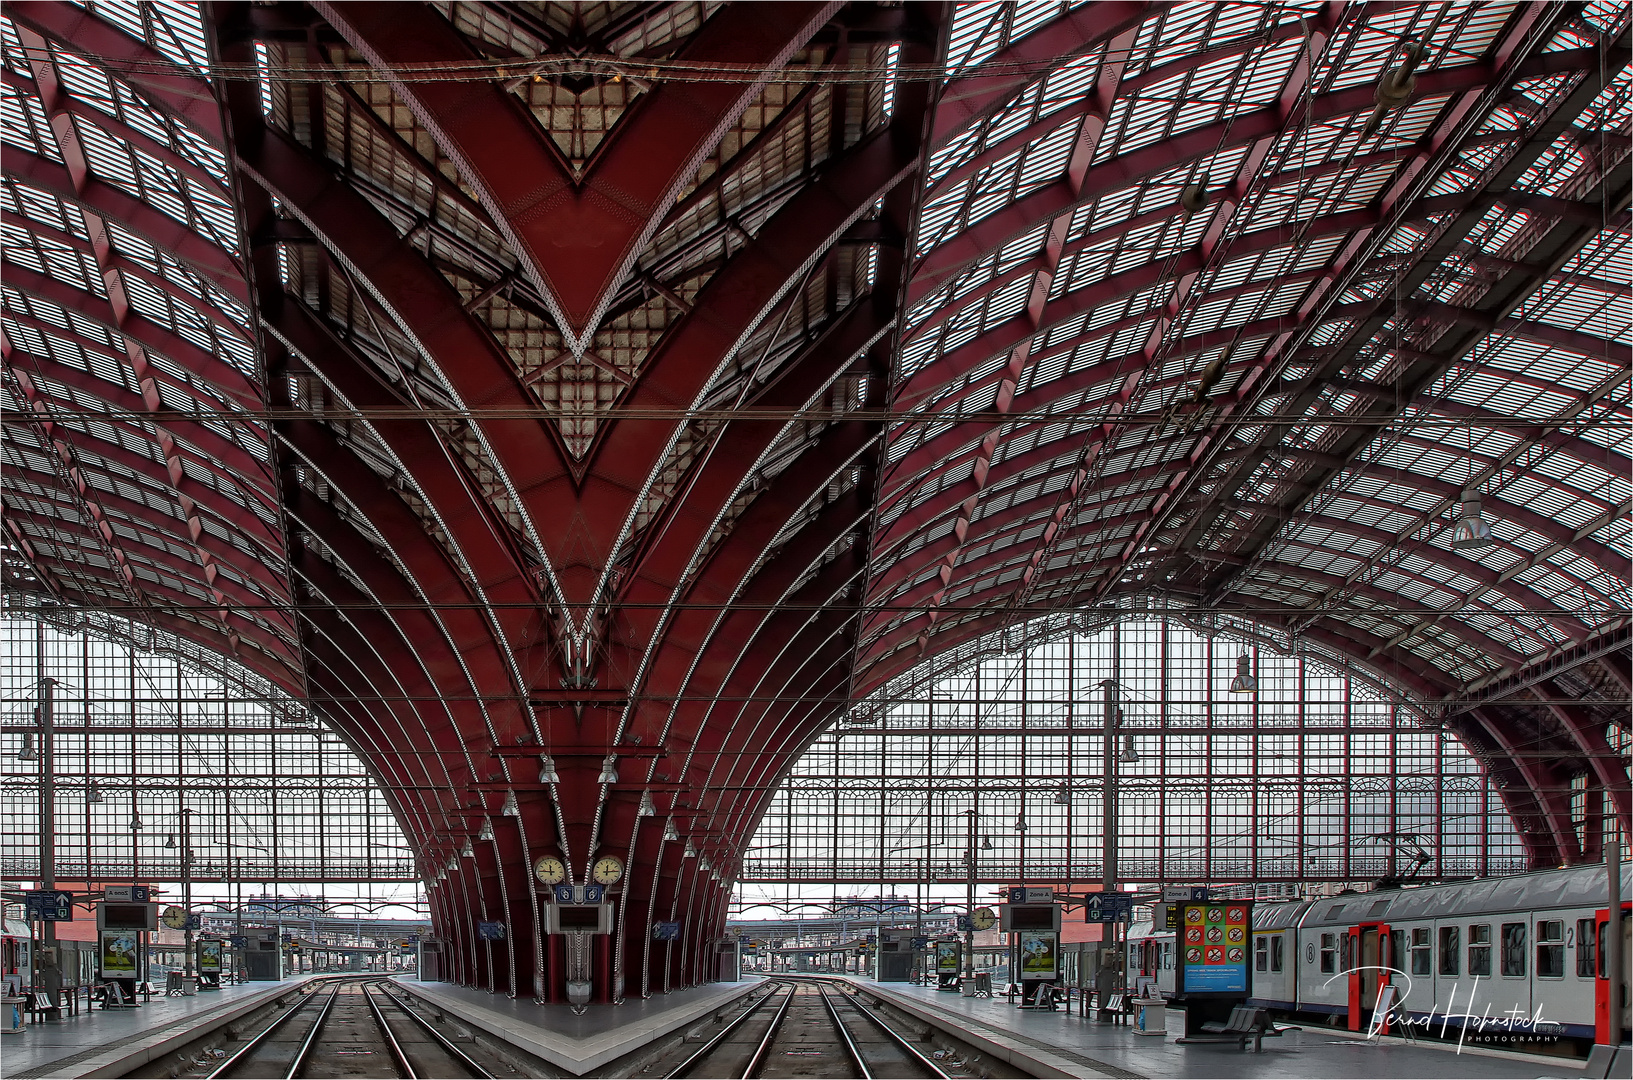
(646, 809)
(1471, 530)
(1245, 682)
(609, 770)
(547, 770)
(1129, 755)
(669, 830)
(486, 832)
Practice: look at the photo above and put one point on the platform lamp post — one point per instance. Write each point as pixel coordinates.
(49, 975)
(969, 911)
(186, 886)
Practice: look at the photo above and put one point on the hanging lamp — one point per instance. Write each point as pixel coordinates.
(1245, 682)
(547, 770)
(1471, 530)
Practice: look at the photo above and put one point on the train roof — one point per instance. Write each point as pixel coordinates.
(1569, 887)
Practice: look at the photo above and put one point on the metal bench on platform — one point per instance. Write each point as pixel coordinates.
(1245, 1023)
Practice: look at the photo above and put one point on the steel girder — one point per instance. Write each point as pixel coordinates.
(578, 235)
(656, 566)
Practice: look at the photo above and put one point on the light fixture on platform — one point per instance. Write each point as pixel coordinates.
(1245, 682)
(547, 770)
(1471, 530)
(669, 830)
(486, 831)
(646, 809)
(609, 770)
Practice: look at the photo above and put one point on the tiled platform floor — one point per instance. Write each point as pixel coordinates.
(579, 1042)
(78, 1045)
(1068, 1045)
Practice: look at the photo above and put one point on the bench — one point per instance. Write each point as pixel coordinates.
(980, 985)
(1115, 1008)
(1245, 1023)
(1045, 997)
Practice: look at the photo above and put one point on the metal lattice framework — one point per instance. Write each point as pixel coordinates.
(148, 725)
(1319, 775)
(553, 392)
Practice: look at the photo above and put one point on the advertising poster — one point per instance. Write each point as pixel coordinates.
(209, 957)
(1039, 955)
(119, 954)
(1214, 947)
(947, 956)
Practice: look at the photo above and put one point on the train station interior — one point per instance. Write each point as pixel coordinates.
(954, 538)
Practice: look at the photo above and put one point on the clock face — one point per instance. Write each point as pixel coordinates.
(549, 870)
(607, 870)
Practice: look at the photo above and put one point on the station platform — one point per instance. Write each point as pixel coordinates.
(111, 1042)
(1063, 1044)
(579, 1042)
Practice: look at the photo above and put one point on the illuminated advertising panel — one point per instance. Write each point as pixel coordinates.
(1214, 942)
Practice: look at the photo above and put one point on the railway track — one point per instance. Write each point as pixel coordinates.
(808, 1029)
(351, 1029)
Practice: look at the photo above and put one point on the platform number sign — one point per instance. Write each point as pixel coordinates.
(1214, 947)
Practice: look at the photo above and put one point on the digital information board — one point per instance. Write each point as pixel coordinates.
(947, 954)
(1214, 947)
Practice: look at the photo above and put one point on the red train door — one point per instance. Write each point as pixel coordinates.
(1601, 973)
(1368, 958)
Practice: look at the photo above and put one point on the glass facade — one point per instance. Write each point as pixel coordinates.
(1322, 774)
(147, 725)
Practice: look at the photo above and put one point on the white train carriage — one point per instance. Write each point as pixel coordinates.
(1275, 953)
(1150, 959)
(1523, 952)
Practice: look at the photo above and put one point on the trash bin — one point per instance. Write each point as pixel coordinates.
(11, 1021)
(1150, 1016)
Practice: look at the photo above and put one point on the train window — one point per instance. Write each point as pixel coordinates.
(1422, 959)
(1449, 948)
(1346, 951)
(1276, 952)
(1329, 953)
(1513, 945)
(1480, 949)
(1584, 948)
(1550, 949)
(1261, 954)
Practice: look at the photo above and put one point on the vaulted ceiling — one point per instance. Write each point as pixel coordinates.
(638, 383)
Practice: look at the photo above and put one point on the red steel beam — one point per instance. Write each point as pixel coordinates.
(578, 236)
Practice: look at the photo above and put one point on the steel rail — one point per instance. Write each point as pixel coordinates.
(845, 1034)
(757, 1061)
(311, 1039)
(899, 1039)
(226, 1067)
(685, 1067)
(403, 1066)
(465, 1060)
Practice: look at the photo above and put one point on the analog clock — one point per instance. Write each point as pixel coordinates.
(550, 871)
(608, 869)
